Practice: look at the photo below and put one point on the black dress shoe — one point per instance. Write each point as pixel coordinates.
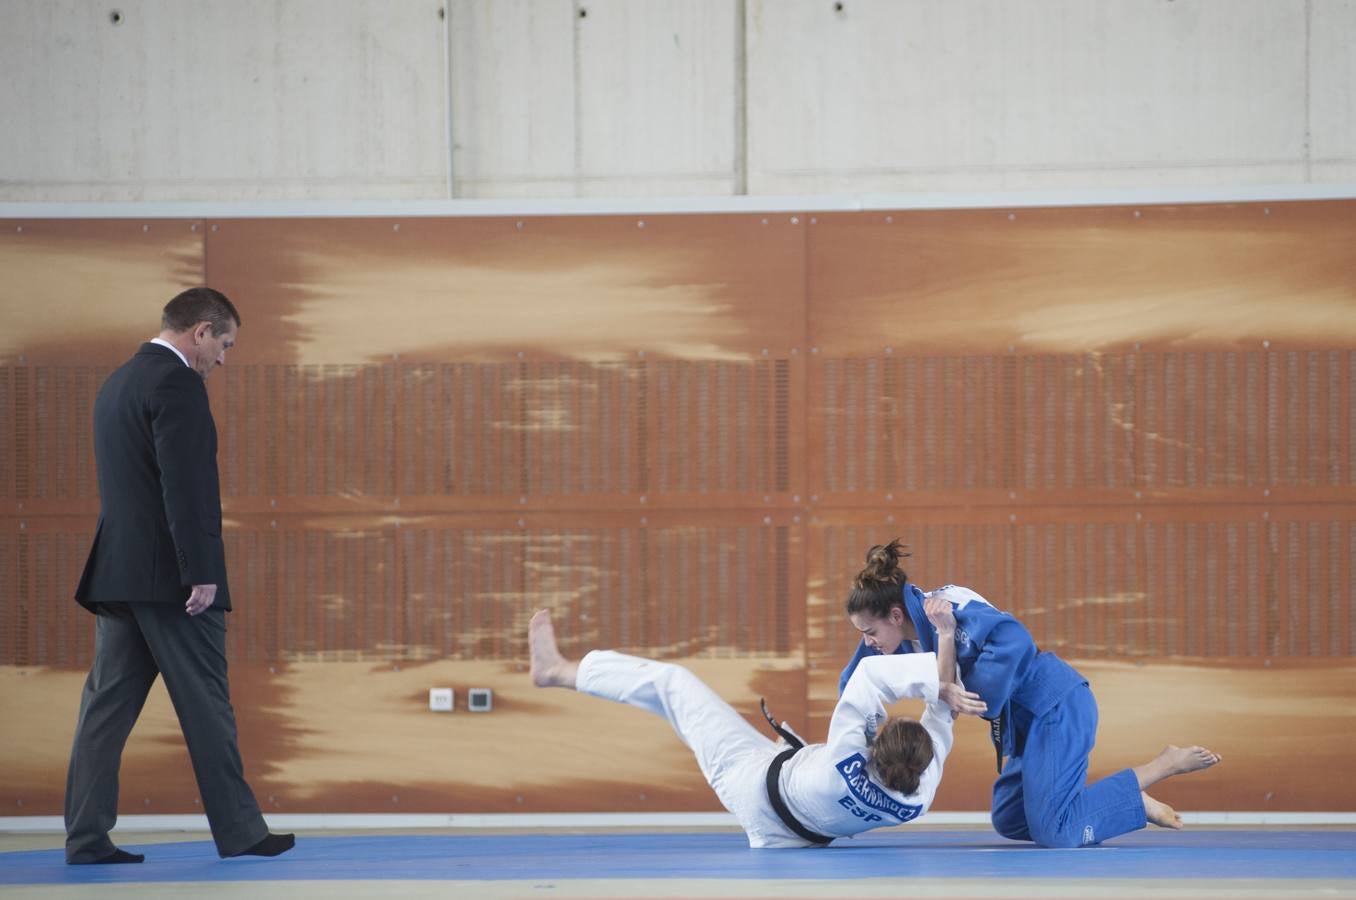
(271, 845)
(117, 856)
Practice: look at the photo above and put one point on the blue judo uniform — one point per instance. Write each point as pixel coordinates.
(1049, 720)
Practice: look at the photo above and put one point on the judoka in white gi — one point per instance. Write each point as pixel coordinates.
(872, 772)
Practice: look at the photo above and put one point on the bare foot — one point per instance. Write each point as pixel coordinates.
(1174, 761)
(549, 668)
(1181, 760)
(1160, 813)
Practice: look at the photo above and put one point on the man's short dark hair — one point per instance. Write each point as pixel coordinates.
(199, 304)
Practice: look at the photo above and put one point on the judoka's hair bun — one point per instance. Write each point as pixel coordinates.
(876, 588)
(882, 565)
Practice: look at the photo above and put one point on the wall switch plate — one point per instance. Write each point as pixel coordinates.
(479, 700)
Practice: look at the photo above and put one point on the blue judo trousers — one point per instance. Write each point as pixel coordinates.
(1049, 720)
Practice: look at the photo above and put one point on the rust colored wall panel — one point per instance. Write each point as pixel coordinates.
(1083, 279)
(410, 591)
(525, 430)
(605, 288)
(1068, 425)
(1131, 427)
(892, 424)
(88, 290)
(39, 623)
(77, 298)
(48, 443)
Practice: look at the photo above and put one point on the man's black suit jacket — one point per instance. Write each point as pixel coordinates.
(155, 445)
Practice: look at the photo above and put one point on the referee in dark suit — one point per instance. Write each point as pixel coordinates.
(156, 580)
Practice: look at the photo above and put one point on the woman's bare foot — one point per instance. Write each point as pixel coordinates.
(1181, 760)
(1174, 761)
(549, 668)
(1160, 813)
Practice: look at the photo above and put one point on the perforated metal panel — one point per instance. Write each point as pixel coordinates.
(1313, 561)
(904, 424)
(419, 593)
(47, 450)
(506, 430)
(721, 426)
(39, 624)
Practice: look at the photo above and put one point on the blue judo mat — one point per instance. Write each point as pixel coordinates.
(1292, 855)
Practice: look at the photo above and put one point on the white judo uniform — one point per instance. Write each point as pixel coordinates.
(831, 788)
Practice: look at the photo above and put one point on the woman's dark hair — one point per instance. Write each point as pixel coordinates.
(199, 304)
(876, 587)
(901, 752)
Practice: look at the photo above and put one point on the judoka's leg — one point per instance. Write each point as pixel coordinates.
(1062, 810)
(1172, 761)
(718, 736)
(1009, 809)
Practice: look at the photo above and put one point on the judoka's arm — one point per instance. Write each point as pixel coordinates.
(943, 619)
(937, 719)
(879, 680)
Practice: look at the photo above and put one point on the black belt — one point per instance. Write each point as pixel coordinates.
(785, 733)
(996, 735)
(774, 787)
(774, 796)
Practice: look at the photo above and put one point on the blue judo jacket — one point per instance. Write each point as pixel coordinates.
(997, 657)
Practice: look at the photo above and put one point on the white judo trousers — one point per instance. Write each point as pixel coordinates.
(733, 755)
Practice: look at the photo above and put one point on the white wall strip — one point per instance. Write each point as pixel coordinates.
(590, 206)
(546, 821)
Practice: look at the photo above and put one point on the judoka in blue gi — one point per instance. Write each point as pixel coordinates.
(1042, 714)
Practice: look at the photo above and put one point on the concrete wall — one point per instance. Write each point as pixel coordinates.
(357, 99)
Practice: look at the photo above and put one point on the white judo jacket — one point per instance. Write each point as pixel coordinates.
(831, 787)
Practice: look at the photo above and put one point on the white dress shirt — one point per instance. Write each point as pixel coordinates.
(177, 352)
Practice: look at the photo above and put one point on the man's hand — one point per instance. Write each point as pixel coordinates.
(940, 614)
(960, 700)
(201, 598)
